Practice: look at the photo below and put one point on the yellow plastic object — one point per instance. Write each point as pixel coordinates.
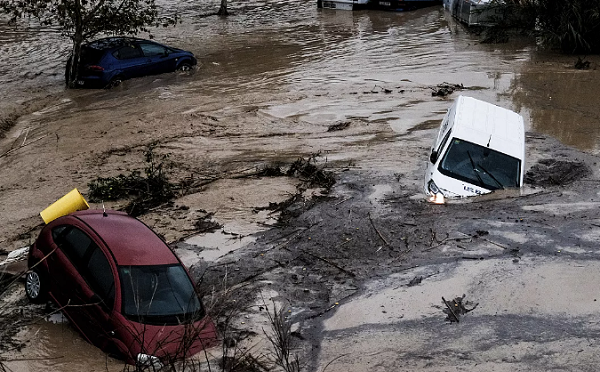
(69, 203)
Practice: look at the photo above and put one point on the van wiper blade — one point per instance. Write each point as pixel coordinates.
(491, 176)
(475, 169)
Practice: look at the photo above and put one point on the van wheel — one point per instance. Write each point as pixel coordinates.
(35, 286)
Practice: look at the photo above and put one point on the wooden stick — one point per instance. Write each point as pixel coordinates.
(451, 310)
(376, 230)
(20, 147)
(329, 262)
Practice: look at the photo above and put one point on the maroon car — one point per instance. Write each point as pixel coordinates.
(120, 285)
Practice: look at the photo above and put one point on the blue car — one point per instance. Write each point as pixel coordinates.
(105, 63)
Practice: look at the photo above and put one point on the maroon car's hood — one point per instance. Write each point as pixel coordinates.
(169, 342)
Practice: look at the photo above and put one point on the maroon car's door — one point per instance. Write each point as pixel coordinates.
(62, 267)
(84, 284)
(98, 290)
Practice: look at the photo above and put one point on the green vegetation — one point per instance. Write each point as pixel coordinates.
(572, 26)
(147, 190)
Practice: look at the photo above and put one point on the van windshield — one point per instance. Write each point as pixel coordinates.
(480, 165)
(159, 294)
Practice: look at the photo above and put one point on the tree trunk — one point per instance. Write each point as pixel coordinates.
(73, 65)
(223, 9)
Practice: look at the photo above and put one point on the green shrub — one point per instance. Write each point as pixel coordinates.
(145, 191)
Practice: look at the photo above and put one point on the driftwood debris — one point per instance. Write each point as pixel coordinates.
(350, 273)
(445, 89)
(338, 126)
(457, 307)
(377, 231)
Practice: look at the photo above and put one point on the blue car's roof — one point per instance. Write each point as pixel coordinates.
(113, 42)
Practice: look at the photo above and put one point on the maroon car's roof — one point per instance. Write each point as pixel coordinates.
(130, 241)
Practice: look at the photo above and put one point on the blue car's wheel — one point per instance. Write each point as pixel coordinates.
(184, 67)
(114, 82)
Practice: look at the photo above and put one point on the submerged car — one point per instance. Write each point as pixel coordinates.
(105, 63)
(480, 148)
(121, 287)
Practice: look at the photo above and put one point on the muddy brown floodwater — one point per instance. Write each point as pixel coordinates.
(272, 78)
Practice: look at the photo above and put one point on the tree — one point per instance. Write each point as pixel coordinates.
(223, 9)
(573, 26)
(82, 20)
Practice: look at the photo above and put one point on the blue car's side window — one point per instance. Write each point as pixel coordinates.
(128, 52)
(151, 50)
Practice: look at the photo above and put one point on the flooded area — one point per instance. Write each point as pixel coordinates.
(273, 78)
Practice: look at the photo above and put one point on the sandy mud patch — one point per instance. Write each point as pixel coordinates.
(523, 311)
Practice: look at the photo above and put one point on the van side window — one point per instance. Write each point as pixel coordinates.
(443, 143)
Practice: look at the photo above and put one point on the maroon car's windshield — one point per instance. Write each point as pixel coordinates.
(159, 295)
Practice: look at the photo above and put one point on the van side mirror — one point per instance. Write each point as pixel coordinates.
(433, 157)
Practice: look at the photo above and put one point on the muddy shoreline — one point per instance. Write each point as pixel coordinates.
(335, 251)
(373, 226)
(355, 88)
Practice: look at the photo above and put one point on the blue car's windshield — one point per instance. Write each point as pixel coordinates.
(159, 294)
(480, 165)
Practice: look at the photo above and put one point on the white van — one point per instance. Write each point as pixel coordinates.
(480, 148)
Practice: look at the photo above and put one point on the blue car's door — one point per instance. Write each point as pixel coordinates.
(132, 62)
(160, 61)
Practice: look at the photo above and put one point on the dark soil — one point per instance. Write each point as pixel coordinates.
(339, 126)
(7, 122)
(206, 224)
(329, 247)
(551, 172)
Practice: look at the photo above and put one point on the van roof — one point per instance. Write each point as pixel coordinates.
(484, 123)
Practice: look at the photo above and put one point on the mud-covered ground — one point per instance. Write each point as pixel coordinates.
(363, 266)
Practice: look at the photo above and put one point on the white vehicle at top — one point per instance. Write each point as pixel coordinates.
(480, 148)
(343, 4)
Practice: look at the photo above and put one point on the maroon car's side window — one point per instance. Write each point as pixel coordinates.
(99, 276)
(58, 233)
(75, 245)
(89, 261)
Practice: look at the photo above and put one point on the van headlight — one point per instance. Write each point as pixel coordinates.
(149, 361)
(437, 196)
(433, 189)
